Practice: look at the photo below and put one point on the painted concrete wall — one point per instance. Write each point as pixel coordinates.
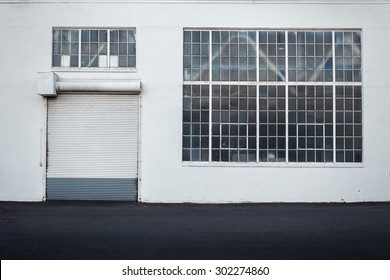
(25, 49)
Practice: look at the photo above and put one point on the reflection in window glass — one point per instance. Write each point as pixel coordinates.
(233, 56)
(196, 55)
(310, 56)
(348, 56)
(272, 123)
(272, 56)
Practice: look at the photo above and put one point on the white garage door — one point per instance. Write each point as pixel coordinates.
(92, 147)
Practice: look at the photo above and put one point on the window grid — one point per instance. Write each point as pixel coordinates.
(316, 148)
(348, 56)
(272, 56)
(257, 98)
(310, 123)
(334, 95)
(196, 58)
(286, 90)
(272, 124)
(195, 123)
(348, 124)
(94, 48)
(233, 136)
(234, 56)
(233, 123)
(310, 56)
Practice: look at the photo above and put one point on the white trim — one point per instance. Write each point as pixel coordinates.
(210, 96)
(279, 83)
(286, 95)
(274, 164)
(79, 60)
(109, 48)
(334, 93)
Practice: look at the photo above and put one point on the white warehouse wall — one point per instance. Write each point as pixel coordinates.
(25, 49)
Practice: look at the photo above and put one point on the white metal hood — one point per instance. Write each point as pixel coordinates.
(49, 84)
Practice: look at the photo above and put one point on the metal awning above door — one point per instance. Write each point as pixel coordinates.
(49, 84)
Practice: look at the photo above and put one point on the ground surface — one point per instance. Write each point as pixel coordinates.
(117, 230)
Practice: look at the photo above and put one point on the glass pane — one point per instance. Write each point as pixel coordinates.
(103, 35)
(114, 36)
(74, 35)
(74, 61)
(122, 49)
(123, 36)
(56, 60)
(56, 48)
(84, 36)
(65, 35)
(56, 35)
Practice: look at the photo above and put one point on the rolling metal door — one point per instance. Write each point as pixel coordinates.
(92, 147)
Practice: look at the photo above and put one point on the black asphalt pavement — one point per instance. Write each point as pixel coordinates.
(119, 230)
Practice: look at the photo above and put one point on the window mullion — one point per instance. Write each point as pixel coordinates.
(257, 97)
(79, 63)
(311, 46)
(334, 93)
(286, 90)
(210, 96)
(108, 49)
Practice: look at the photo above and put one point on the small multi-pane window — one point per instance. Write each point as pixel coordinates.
(94, 48)
(272, 96)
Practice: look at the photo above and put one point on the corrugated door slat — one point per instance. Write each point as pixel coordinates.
(92, 147)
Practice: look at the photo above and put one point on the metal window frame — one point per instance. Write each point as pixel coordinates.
(79, 67)
(285, 83)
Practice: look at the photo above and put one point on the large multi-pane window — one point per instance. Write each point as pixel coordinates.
(272, 96)
(94, 48)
